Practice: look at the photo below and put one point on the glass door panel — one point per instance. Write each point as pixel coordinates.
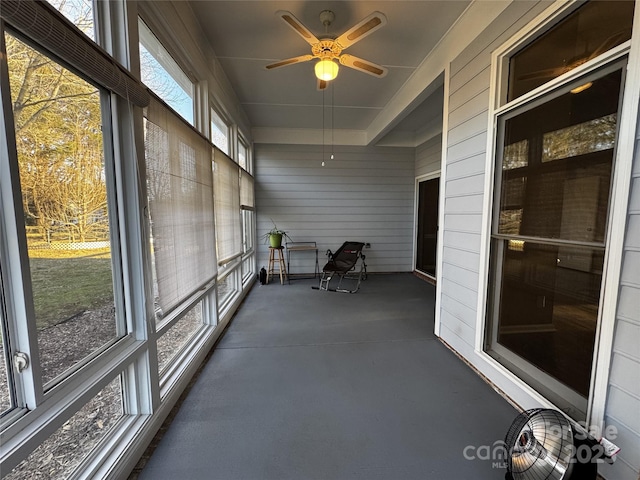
(548, 242)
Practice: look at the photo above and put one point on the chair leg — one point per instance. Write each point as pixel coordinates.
(324, 281)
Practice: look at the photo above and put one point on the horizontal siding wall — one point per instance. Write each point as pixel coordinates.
(429, 156)
(365, 194)
(467, 122)
(623, 397)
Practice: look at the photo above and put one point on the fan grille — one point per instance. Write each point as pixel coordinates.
(540, 446)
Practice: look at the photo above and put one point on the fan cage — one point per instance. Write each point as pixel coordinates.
(540, 446)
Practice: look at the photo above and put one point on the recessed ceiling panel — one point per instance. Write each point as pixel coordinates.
(282, 116)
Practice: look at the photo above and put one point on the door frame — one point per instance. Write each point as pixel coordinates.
(416, 203)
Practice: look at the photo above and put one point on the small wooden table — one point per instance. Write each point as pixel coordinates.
(302, 247)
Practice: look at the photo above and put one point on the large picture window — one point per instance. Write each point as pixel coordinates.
(555, 162)
(63, 177)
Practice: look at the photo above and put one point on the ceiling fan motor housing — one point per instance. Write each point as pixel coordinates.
(326, 48)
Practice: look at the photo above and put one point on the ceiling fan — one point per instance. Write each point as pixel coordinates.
(328, 50)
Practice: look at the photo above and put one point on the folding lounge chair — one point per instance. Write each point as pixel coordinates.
(343, 263)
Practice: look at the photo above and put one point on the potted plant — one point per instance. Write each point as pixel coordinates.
(274, 236)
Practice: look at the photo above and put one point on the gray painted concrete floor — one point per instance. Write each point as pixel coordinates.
(321, 385)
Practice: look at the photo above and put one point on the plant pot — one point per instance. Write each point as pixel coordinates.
(275, 240)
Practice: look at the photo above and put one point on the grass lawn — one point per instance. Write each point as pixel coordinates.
(66, 285)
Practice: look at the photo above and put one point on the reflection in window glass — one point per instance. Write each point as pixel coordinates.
(62, 173)
(566, 198)
(60, 454)
(590, 31)
(549, 308)
(79, 12)
(172, 341)
(592, 136)
(516, 155)
(510, 221)
(163, 76)
(219, 132)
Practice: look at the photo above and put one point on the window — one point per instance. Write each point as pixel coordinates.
(242, 154)
(60, 454)
(588, 32)
(178, 336)
(247, 204)
(227, 290)
(163, 76)
(72, 255)
(63, 175)
(79, 12)
(553, 183)
(219, 131)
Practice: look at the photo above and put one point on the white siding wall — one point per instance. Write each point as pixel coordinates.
(623, 397)
(467, 122)
(463, 216)
(366, 194)
(429, 156)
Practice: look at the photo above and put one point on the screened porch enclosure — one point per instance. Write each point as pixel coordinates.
(144, 152)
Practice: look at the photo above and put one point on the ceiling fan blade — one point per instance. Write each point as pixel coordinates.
(322, 84)
(366, 27)
(289, 61)
(363, 65)
(613, 41)
(297, 25)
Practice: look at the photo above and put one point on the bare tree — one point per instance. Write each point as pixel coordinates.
(58, 135)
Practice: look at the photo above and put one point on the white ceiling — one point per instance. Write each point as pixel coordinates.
(247, 35)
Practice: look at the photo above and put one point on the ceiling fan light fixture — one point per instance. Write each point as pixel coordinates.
(326, 69)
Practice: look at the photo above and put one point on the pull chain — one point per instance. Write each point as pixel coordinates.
(323, 127)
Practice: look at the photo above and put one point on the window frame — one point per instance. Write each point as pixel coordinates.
(147, 398)
(620, 190)
(50, 405)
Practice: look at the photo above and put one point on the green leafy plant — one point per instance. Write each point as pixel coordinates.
(275, 235)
